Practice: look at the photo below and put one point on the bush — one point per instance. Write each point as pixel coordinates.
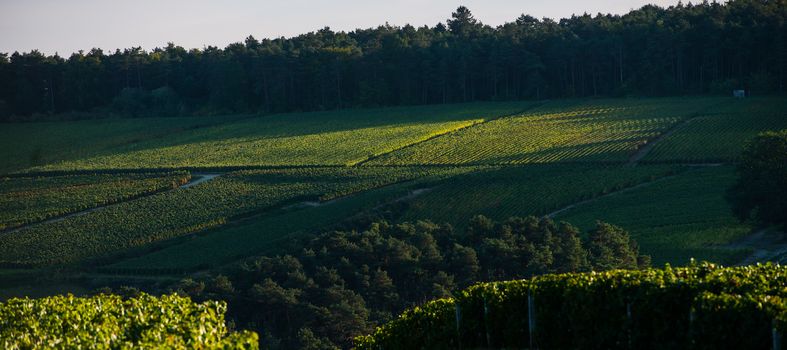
(109, 321)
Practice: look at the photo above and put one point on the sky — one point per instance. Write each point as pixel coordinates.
(66, 26)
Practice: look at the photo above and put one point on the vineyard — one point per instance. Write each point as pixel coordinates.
(110, 322)
(26, 145)
(174, 213)
(275, 178)
(30, 199)
(728, 125)
(363, 148)
(536, 189)
(700, 307)
(257, 236)
(612, 179)
(322, 138)
(600, 131)
(675, 219)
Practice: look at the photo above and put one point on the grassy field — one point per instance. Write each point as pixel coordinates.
(674, 219)
(30, 199)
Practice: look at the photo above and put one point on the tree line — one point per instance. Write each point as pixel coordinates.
(683, 49)
(328, 288)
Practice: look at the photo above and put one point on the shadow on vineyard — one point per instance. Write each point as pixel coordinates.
(541, 181)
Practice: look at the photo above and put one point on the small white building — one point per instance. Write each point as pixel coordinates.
(739, 93)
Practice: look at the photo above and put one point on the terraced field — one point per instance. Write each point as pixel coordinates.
(31, 199)
(675, 219)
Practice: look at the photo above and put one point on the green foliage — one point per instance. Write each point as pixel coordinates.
(735, 321)
(263, 235)
(336, 138)
(622, 309)
(340, 284)
(533, 189)
(183, 211)
(679, 50)
(30, 199)
(761, 189)
(592, 130)
(610, 246)
(719, 133)
(110, 322)
(674, 218)
(24, 145)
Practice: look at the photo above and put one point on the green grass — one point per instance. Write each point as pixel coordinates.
(323, 138)
(559, 131)
(31, 199)
(182, 211)
(536, 189)
(721, 132)
(675, 219)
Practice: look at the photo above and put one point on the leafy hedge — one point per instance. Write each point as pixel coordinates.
(701, 306)
(111, 322)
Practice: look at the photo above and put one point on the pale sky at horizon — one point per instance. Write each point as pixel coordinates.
(68, 26)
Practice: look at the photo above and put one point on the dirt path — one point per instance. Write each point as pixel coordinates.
(766, 245)
(407, 197)
(627, 189)
(200, 178)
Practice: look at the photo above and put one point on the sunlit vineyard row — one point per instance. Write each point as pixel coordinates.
(719, 135)
(536, 189)
(29, 199)
(174, 213)
(321, 138)
(603, 130)
(674, 219)
(112, 322)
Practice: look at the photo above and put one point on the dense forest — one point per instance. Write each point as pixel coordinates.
(683, 49)
(328, 288)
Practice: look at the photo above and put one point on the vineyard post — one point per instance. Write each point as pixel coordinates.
(486, 323)
(691, 325)
(630, 326)
(531, 318)
(776, 336)
(458, 318)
